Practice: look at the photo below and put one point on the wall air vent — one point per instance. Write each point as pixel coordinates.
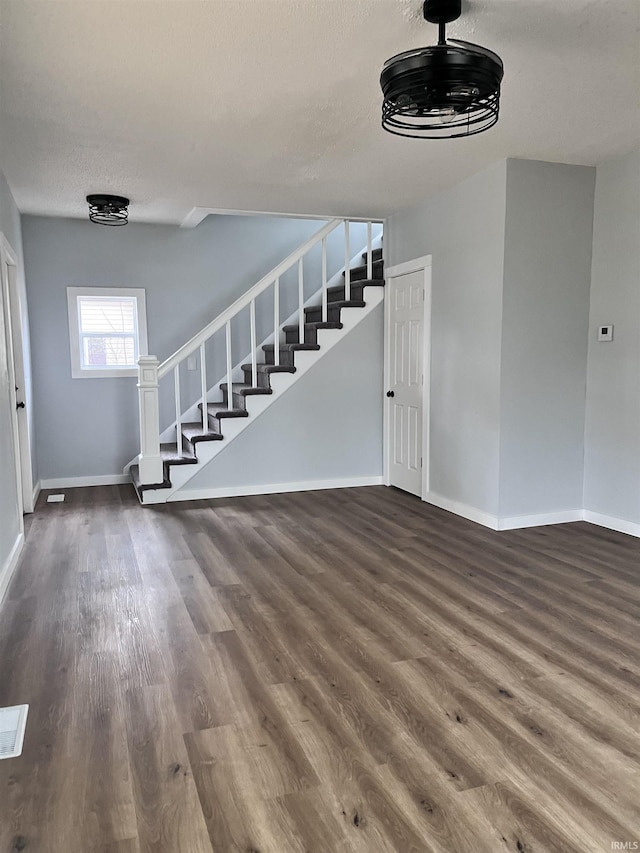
(13, 722)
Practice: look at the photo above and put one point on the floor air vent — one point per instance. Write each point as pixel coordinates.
(13, 722)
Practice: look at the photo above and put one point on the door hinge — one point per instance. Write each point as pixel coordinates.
(421, 461)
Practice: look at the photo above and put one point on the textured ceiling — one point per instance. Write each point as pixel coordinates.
(274, 105)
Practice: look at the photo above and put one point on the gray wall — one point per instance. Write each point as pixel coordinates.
(9, 515)
(90, 427)
(545, 315)
(612, 436)
(327, 426)
(511, 252)
(464, 230)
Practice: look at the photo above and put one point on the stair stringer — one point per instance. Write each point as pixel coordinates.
(256, 405)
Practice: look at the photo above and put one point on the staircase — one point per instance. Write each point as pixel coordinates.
(273, 366)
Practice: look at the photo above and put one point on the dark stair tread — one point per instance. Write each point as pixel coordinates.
(245, 390)
(193, 432)
(219, 410)
(171, 456)
(271, 368)
(291, 347)
(364, 282)
(360, 270)
(295, 327)
(376, 255)
(340, 303)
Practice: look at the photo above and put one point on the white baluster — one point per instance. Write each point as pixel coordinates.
(325, 296)
(203, 387)
(254, 358)
(229, 366)
(347, 261)
(176, 385)
(150, 468)
(276, 321)
(369, 253)
(300, 302)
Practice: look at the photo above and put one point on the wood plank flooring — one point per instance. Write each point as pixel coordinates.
(324, 672)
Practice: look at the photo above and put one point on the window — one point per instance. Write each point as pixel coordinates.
(107, 331)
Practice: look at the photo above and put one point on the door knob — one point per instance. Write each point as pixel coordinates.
(390, 394)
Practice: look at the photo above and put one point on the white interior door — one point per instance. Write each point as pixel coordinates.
(12, 314)
(405, 371)
(11, 504)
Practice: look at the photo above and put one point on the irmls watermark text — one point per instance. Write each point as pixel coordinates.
(625, 845)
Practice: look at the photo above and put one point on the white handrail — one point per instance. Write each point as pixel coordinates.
(221, 320)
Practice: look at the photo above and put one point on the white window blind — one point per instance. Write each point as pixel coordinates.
(107, 331)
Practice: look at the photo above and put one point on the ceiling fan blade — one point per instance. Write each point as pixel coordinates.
(477, 48)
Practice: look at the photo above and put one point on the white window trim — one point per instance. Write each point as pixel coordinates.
(77, 371)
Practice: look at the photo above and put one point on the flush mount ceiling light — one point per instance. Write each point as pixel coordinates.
(447, 90)
(108, 209)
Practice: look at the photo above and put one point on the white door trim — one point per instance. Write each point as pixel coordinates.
(16, 311)
(418, 264)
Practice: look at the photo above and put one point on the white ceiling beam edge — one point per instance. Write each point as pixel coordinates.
(197, 214)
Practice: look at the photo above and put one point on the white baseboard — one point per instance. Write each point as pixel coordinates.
(9, 567)
(537, 520)
(540, 519)
(465, 510)
(274, 489)
(77, 482)
(36, 492)
(612, 523)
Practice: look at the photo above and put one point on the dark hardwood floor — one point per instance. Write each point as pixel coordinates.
(324, 672)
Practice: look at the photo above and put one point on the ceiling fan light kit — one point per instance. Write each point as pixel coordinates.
(445, 91)
(108, 209)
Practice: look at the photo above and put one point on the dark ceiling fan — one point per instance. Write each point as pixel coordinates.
(447, 90)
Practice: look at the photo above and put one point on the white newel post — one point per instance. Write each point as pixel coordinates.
(149, 460)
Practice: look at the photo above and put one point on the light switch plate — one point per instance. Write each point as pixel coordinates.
(605, 333)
